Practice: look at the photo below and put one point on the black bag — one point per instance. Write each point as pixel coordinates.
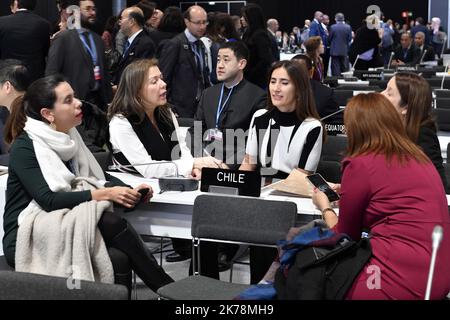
(94, 128)
(323, 274)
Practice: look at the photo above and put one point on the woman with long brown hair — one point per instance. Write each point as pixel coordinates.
(287, 136)
(291, 131)
(143, 129)
(392, 190)
(48, 159)
(412, 98)
(314, 48)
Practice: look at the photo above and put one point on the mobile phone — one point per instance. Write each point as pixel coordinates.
(319, 182)
(143, 193)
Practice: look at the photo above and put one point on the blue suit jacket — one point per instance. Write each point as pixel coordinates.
(340, 38)
(316, 29)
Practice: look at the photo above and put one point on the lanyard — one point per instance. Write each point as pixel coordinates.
(221, 106)
(93, 51)
(198, 55)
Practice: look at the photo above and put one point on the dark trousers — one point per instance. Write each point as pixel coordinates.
(260, 261)
(339, 64)
(120, 235)
(182, 246)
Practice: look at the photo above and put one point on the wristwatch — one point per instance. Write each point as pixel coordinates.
(325, 210)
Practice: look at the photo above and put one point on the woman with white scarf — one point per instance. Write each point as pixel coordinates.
(48, 157)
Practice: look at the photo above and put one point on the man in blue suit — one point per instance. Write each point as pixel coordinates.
(340, 38)
(316, 28)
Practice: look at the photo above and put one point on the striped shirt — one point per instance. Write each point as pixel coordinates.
(281, 142)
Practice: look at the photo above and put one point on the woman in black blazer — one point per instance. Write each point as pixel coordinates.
(257, 39)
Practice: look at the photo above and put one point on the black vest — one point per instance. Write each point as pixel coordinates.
(158, 144)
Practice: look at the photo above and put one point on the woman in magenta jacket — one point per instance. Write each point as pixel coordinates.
(392, 189)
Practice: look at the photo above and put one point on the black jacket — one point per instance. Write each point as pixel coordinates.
(261, 57)
(325, 102)
(25, 36)
(185, 84)
(412, 55)
(245, 100)
(429, 143)
(142, 47)
(68, 57)
(429, 55)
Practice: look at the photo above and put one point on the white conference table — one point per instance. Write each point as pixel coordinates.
(169, 214)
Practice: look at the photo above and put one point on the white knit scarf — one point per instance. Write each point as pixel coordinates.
(53, 147)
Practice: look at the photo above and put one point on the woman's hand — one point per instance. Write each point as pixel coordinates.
(336, 187)
(148, 196)
(121, 195)
(196, 174)
(320, 199)
(208, 162)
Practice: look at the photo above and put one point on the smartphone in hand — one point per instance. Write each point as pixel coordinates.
(319, 182)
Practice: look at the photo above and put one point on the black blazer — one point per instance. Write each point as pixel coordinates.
(325, 102)
(429, 55)
(261, 57)
(429, 143)
(142, 47)
(177, 64)
(25, 36)
(68, 57)
(245, 100)
(412, 56)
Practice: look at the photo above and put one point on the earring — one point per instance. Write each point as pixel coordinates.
(52, 125)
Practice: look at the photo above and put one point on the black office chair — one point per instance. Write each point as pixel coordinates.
(358, 88)
(442, 93)
(442, 103)
(442, 119)
(237, 220)
(104, 159)
(382, 84)
(436, 83)
(333, 151)
(341, 96)
(185, 122)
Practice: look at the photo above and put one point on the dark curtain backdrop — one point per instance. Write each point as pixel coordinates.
(291, 13)
(288, 12)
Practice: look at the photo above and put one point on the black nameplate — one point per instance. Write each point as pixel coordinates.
(248, 183)
(369, 75)
(406, 68)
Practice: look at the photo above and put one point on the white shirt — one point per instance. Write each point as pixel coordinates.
(131, 39)
(124, 139)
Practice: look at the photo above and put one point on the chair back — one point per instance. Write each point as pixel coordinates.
(242, 220)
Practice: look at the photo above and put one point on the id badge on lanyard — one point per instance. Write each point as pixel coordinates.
(97, 73)
(214, 135)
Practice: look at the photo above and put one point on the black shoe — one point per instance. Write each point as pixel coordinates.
(223, 262)
(176, 257)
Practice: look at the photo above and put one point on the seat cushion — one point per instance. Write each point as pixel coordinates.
(201, 288)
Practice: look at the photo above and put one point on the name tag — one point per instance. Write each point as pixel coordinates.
(244, 183)
(214, 135)
(97, 73)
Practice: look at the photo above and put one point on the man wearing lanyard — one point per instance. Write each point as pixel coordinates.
(226, 109)
(182, 61)
(79, 56)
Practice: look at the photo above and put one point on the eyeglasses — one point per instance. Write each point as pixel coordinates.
(197, 23)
